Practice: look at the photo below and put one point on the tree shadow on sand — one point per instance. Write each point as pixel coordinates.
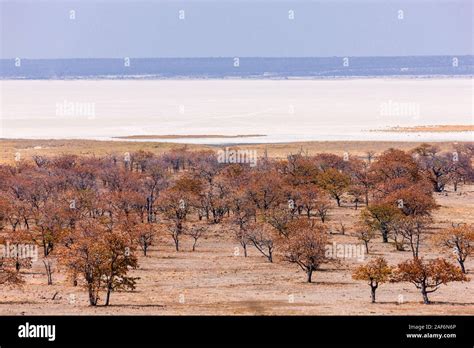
(133, 305)
(432, 303)
(316, 282)
(19, 302)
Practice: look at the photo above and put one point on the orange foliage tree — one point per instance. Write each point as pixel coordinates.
(427, 276)
(334, 182)
(375, 272)
(102, 256)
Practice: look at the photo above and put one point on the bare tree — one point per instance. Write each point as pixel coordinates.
(195, 232)
(306, 246)
(364, 234)
(263, 238)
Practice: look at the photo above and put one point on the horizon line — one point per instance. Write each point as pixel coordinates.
(246, 57)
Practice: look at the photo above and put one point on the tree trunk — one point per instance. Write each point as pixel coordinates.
(384, 235)
(366, 246)
(107, 298)
(49, 272)
(92, 296)
(425, 295)
(373, 288)
(461, 263)
(338, 200)
(309, 273)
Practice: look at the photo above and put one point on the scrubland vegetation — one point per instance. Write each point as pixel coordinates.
(96, 219)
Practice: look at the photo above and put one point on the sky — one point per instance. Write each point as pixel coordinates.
(226, 28)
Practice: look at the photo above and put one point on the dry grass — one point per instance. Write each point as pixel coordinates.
(29, 148)
(354, 148)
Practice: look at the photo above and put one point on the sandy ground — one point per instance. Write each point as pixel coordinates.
(213, 280)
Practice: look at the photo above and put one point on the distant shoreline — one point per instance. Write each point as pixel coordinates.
(234, 68)
(431, 128)
(236, 78)
(187, 136)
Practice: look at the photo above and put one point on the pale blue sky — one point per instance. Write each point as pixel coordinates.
(113, 29)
